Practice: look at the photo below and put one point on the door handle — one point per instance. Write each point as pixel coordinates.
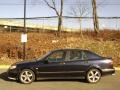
(85, 61)
(62, 63)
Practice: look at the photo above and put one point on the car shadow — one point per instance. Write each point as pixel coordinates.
(4, 77)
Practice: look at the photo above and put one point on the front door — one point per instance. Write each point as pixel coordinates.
(53, 65)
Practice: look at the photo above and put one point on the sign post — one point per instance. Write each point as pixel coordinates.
(24, 35)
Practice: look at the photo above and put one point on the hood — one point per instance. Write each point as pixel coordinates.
(26, 62)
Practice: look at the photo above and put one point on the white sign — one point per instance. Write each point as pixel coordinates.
(23, 38)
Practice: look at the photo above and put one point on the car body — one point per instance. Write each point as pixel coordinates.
(63, 64)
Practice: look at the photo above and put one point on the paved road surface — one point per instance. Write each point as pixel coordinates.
(106, 83)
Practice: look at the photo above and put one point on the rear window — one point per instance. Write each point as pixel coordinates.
(91, 55)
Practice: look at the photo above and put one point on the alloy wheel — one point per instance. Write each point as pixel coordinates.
(93, 75)
(27, 76)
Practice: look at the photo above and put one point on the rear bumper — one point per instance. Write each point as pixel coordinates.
(108, 71)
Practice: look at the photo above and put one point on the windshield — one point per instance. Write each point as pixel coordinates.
(45, 55)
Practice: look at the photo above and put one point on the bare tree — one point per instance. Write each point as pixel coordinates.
(52, 4)
(79, 11)
(95, 17)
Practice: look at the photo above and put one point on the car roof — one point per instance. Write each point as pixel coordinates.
(66, 49)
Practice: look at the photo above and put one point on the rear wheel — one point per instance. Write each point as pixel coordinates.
(27, 76)
(93, 75)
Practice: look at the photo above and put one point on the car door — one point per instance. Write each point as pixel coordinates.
(53, 65)
(76, 65)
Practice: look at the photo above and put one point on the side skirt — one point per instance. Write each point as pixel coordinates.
(66, 78)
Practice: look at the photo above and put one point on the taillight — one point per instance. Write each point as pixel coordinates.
(111, 62)
(108, 61)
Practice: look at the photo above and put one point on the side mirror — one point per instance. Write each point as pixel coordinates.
(46, 61)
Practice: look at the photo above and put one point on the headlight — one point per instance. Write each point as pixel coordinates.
(13, 67)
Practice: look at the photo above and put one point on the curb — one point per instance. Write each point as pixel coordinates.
(7, 66)
(4, 66)
(117, 68)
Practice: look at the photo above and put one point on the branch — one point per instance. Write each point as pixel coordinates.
(61, 10)
(73, 11)
(52, 7)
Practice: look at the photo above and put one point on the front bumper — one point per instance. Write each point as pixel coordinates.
(11, 78)
(12, 74)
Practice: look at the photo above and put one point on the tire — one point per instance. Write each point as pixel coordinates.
(93, 76)
(26, 76)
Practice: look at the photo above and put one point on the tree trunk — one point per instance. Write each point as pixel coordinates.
(81, 33)
(59, 26)
(95, 18)
(60, 19)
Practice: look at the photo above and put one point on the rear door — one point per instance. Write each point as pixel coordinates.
(76, 64)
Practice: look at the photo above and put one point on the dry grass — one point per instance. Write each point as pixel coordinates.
(106, 44)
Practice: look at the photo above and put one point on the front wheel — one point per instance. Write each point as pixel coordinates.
(27, 76)
(93, 75)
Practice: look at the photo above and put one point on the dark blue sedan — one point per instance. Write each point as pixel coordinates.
(63, 64)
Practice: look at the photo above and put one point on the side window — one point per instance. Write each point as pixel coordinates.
(75, 55)
(91, 55)
(56, 56)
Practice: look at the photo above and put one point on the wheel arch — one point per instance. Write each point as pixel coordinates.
(94, 67)
(27, 79)
(28, 69)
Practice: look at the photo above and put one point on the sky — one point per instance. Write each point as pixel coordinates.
(35, 8)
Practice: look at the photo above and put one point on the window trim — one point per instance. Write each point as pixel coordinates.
(68, 55)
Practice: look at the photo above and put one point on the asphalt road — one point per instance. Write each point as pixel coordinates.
(106, 83)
